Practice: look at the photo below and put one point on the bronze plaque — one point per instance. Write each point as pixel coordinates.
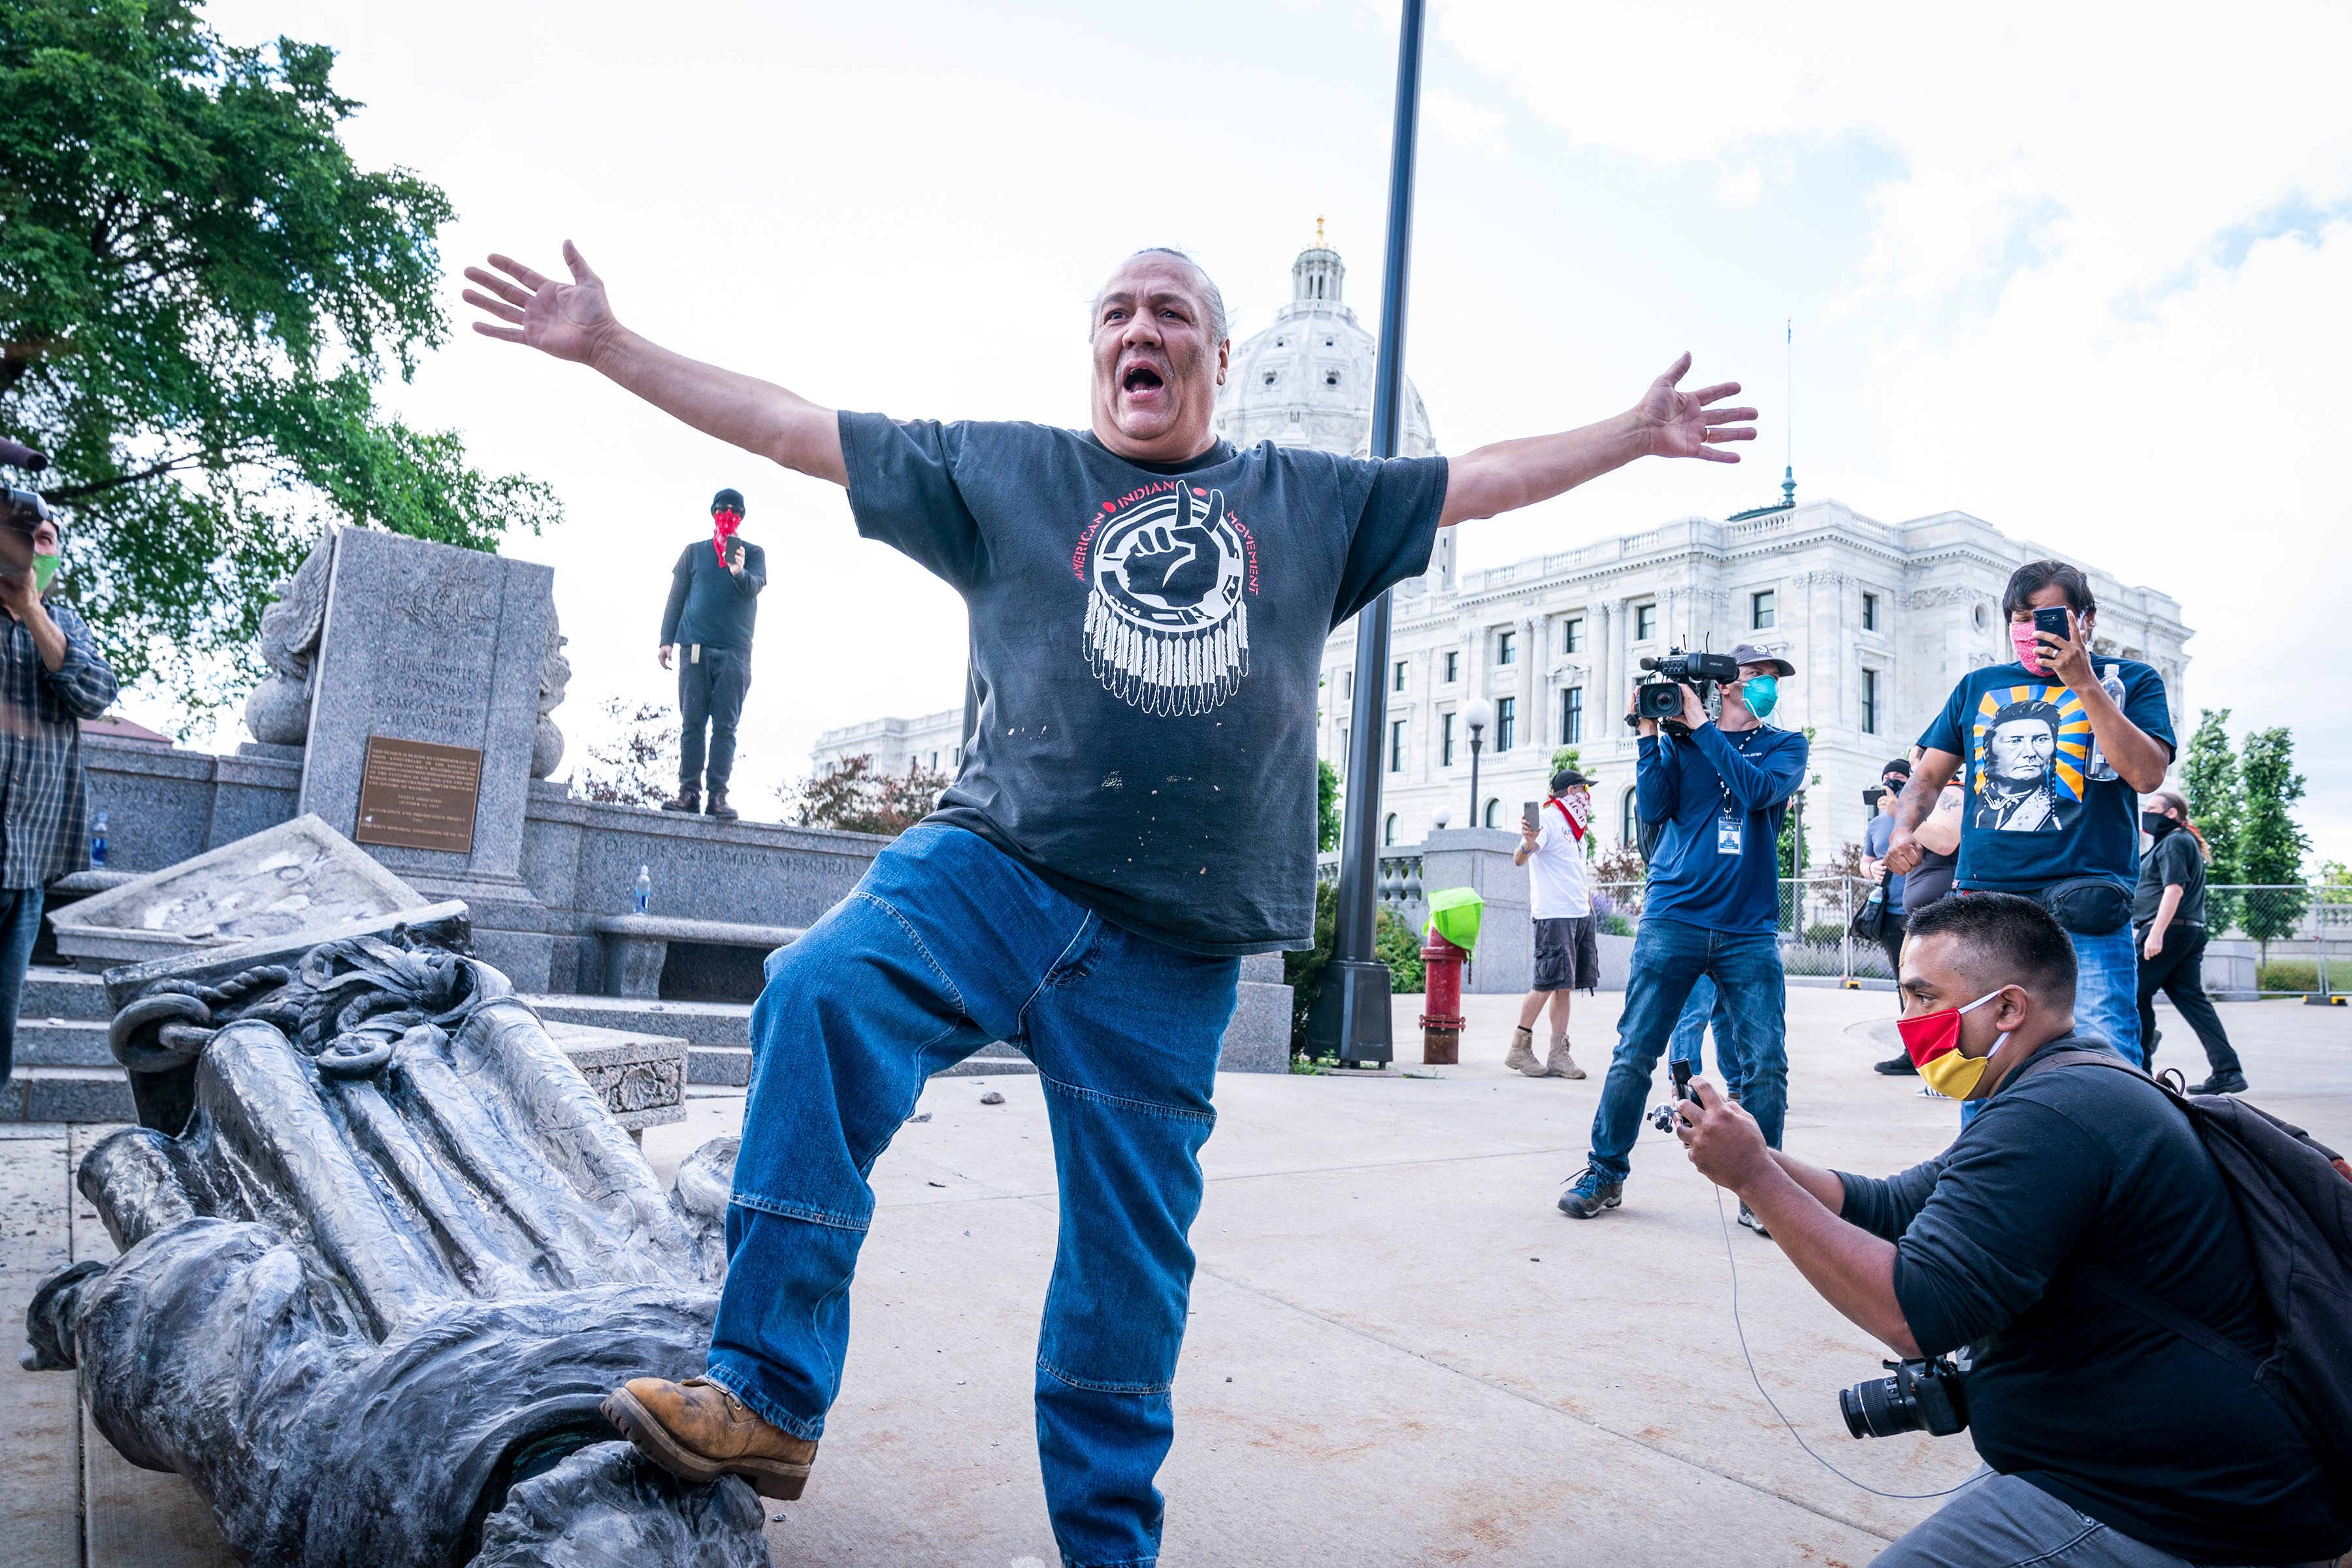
(418, 796)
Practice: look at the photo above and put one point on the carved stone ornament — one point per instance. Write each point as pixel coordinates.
(554, 674)
(383, 1252)
(279, 710)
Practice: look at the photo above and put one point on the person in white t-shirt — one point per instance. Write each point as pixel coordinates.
(1560, 898)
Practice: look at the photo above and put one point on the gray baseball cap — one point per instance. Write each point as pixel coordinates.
(1756, 653)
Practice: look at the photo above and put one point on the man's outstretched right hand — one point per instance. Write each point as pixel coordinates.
(566, 320)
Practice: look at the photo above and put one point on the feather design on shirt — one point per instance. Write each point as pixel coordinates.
(1166, 628)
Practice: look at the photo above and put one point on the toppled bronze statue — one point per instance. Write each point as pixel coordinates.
(383, 1252)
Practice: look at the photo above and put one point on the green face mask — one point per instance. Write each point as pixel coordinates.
(44, 568)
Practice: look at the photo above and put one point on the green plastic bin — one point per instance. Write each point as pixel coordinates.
(1454, 914)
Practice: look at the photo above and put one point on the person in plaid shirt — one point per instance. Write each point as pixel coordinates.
(51, 677)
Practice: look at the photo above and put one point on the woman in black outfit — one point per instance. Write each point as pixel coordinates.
(2168, 919)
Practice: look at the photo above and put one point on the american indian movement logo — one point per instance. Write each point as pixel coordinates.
(1169, 574)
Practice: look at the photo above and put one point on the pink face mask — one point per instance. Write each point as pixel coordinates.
(2029, 647)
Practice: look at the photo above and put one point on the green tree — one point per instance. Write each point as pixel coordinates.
(1566, 757)
(1326, 806)
(2271, 843)
(856, 798)
(2208, 777)
(200, 290)
(1796, 853)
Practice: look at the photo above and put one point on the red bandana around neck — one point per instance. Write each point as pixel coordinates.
(723, 525)
(1575, 819)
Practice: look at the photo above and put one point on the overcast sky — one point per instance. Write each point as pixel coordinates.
(2081, 271)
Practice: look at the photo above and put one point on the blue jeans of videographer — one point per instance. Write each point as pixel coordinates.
(1669, 959)
(946, 944)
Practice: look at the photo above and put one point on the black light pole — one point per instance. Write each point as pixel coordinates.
(1477, 713)
(1350, 1016)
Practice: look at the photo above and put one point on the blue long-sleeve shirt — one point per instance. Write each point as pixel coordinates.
(1690, 788)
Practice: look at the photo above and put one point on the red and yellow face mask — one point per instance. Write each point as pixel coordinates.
(1933, 1041)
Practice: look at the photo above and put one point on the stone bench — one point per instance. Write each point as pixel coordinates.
(637, 949)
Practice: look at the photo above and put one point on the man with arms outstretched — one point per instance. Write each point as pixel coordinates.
(1136, 812)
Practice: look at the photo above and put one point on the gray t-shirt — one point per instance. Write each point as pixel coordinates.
(2175, 859)
(1148, 640)
(1875, 838)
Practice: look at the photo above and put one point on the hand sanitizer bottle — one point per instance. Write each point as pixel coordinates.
(643, 895)
(97, 842)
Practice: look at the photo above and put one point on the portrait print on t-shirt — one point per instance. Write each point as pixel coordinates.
(2029, 746)
(1169, 574)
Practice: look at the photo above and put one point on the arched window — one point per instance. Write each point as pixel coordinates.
(1493, 817)
(1387, 829)
(1628, 832)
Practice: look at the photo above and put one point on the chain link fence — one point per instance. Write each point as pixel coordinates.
(2262, 940)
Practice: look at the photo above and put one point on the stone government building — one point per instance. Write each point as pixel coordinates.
(1880, 619)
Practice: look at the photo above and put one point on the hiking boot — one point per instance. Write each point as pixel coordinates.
(719, 808)
(699, 1432)
(1897, 1067)
(689, 800)
(1748, 1217)
(1589, 1191)
(1522, 1056)
(2221, 1083)
(1560, 1064)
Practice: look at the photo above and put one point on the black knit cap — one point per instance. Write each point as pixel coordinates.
(729, 501)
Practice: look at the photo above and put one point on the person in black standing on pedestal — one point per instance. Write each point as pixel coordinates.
(2168, 919)
(714, 594)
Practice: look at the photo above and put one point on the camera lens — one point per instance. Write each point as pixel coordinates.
(1879, 1409)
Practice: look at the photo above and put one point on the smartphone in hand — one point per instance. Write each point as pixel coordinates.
(1531, 813)
(2055, 621)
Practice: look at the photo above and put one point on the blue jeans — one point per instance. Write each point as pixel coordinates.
(1690, 1035)
(2106, 998)
(1669, 959)
(20, 927)
(946, 944)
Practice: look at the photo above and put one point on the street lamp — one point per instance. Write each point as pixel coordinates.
(1350, 1018)
(1477, 713)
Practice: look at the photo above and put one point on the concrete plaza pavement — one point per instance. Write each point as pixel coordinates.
(1401, 1352)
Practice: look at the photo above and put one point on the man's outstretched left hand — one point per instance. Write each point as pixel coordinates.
(1722, 1139)
(1678, 424)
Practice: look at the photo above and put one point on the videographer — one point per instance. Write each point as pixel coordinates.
(2058, 747)
(1717, 789)
(2115, 1443)
(51, 677)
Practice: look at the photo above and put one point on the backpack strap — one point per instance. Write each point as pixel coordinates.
(2155, 1308)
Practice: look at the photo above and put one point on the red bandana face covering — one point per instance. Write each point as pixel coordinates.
(1575, 811)
(723, 525)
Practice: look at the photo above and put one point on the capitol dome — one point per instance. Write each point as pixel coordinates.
(1307, 381)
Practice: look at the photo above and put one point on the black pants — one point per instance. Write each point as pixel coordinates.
(711, 692)
(2178, 971)
(1890, 937)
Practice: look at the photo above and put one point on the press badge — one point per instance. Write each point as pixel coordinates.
(1727, 834)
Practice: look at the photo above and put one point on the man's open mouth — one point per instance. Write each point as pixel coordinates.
(1141, 378)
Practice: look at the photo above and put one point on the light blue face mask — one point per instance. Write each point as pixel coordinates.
(1761, 693)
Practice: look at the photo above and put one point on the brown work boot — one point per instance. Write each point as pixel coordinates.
(689, 800)
(699, 1432)
(1560, 1064)
(719, 808)
(1522, 1056)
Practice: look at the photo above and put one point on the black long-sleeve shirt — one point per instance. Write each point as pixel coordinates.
(2067, 1388)
(710, 605)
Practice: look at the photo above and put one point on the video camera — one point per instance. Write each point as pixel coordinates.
(1661, 701)
(1922, 1397)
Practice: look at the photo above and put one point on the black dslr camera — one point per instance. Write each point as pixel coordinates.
(1922, 1397)
(21, 515)
(1661, 701)
(1662, 1117)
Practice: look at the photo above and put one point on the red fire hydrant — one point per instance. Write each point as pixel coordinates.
(1441, 1026)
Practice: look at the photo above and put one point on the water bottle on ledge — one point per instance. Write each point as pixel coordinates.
(97, 843)
(640, 898)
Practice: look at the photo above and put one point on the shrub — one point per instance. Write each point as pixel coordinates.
(2288, 974)
(1394, 943)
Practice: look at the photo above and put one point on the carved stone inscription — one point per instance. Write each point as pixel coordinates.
(418, 796)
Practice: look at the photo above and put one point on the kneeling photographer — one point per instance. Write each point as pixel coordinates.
(1716, 788)
(2117, 1442)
